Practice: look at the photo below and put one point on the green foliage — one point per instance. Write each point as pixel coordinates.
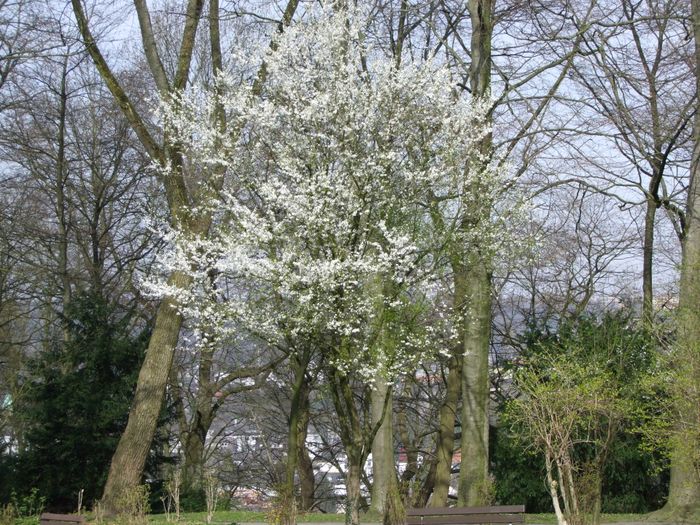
(635, 478)
(77, 403)
(193, 500)
(591, 376)
(29, 505)
(518, 472)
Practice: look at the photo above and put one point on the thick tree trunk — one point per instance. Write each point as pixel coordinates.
(476, 281)
(446, 434)
(473, 487)
(684, 493)
(130, 457)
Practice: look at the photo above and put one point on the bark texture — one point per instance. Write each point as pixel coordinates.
(473, 487)
(684, 493)
(446, 434)
(473, 280)
(129, 459)
(382, 446)
(305, 469)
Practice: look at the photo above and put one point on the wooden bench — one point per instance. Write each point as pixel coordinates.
(61, 519)
(463, 515)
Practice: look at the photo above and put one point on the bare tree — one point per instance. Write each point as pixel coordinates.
(637, 75)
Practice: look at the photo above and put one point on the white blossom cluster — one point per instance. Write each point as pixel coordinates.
(326, 227)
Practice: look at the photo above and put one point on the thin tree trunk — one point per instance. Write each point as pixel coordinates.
(647, 262)
(446, 434)
(305, 469)
(193, 456)
(553, 492)
(421, 498)
(411, 448)
(356, 433)
(288, 502)
(61, 176)
(202, 417)
(652, 204)
(352, 488)
(569, 485)
(597, 498)
(565, 493)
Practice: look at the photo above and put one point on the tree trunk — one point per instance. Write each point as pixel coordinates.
(193, 460)
(647, 263)
(446, 435)
(553, 490)
(476, 281)
(194, 445)
(294, 441)
(356, 433)
(652, 204)
(130, 457)
(412, 448)
(383, 471)
(305, 469)
(684, 492)
(195, 435)
(421, 498)
(474, 487)
(352, 488)
(61, 179)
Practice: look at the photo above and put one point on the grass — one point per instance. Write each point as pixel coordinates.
(242, 516)
(606, 518)
(229, 517)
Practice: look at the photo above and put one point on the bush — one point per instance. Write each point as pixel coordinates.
(593, 376)
(76, 406)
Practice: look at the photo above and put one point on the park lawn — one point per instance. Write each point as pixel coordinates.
(227, 517)
(230, 517)
(546, 519)
(242, 516)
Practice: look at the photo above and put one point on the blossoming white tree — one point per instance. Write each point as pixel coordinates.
(324, 233)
